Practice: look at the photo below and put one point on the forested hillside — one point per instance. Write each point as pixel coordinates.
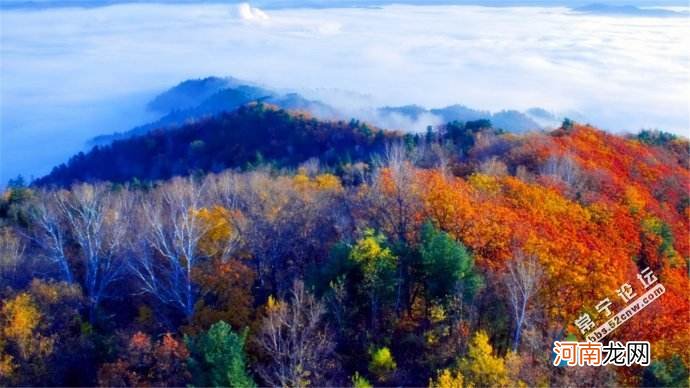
(263, 247)
(251, 135)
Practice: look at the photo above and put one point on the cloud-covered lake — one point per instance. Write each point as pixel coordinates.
(71, 73)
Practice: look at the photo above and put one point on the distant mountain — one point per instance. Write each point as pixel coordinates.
(626, 10)
(295, 102)
(541, 114)
(513, 121)
(193, 100)
(460, 113)
(190, 93)
(411, 111)
(509, 120)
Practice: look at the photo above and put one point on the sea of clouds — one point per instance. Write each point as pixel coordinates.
(72, 73)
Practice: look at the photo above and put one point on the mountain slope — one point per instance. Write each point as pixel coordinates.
(255, 133)
(194, 100)
(190, 93)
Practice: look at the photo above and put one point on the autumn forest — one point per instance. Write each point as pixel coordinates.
(265, 247)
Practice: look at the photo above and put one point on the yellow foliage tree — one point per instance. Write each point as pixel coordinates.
(221, 235)
(20, 341)
(360, 382)
(382, 364)
(447, 379)
(481, 367)
(321, 182)
(328, 182)
(20, 319)
(6, 365)
(378, 265)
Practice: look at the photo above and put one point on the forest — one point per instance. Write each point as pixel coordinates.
(268, 248)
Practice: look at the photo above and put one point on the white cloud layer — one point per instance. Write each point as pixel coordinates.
(247, 12)
(68, 73)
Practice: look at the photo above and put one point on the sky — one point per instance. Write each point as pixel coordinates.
(68, 74)
(273, 4)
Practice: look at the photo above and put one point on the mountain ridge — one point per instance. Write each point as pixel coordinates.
(196, 99)
(254, 134)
